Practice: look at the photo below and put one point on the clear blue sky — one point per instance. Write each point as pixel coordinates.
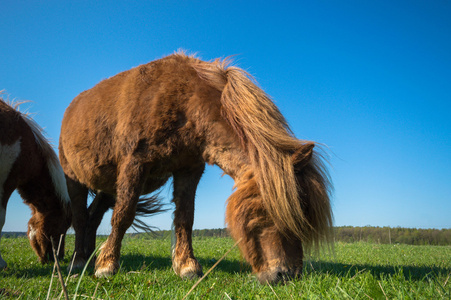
(370, 79)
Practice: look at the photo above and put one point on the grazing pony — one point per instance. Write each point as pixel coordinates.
(130, 133)
(29, 164)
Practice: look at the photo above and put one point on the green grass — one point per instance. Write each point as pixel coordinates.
(355, 271)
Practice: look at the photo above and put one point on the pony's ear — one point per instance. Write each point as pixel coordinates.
(302, 156)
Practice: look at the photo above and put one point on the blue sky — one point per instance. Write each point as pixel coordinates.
(369, 79)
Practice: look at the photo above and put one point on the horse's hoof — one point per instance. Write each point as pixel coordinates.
(191, 274)
(191, 269)
(105, 272)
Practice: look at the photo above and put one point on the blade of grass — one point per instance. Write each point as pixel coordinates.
(211, 269)
(95, 291)
(51, 283)
(54, 266)
(84, 270)
(382, 289)
(68, 275)
(58, 268)
(274, 292)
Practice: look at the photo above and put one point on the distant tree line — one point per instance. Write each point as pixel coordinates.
(163, 234)
(13, 234)
(396, 235)
(348, 234)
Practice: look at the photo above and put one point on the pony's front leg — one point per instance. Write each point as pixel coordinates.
(183, 261)
(2, 222)
(3, 263)
(129, 183)
(4, 197)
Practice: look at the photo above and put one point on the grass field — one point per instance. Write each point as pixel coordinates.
(355, 271)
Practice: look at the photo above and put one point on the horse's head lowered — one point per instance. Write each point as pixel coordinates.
(45, 227)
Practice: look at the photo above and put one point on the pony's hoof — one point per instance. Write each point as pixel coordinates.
(191, 269)
(191, 274)
(105, 272)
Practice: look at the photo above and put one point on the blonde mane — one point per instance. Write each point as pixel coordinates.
(266, 136)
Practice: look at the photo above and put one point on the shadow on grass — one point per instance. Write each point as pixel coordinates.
(409, 272)
(137, 262)
(29, 272)
(134, 262)
(129, 262)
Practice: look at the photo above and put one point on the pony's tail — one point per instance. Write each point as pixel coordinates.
(266, 137)
(147, 206)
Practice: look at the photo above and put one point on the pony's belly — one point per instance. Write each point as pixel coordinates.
(100, 178)
(103, 178)
(153, 183)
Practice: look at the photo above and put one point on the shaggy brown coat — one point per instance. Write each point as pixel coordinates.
(29, 164)
(131, 132)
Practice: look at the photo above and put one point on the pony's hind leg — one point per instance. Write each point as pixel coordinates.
(99, 206)
(129, 185)
(183, 261)
(78, 194)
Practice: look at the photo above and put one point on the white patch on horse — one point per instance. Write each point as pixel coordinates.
(53, 165)
(58, 179)
(31, 233)
(8, 155)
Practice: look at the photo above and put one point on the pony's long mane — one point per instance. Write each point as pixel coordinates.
(269, 142)
(53, 165)
(56, 172)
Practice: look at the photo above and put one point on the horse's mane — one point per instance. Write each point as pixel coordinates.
(54, 167)
(56, 172)
(265, 135)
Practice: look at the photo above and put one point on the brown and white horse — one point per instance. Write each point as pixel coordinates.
(29, 164)
(130, 133)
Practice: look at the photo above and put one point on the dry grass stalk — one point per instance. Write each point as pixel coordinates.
(211, 269)
(58, 268)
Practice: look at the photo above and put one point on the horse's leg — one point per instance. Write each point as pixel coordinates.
(4, 197)
(129, 184)
(8, 156)
(78, 194)
(183, 261)
(101, 203)
(2, 222)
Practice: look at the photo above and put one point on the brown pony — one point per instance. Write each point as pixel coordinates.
(127, 135)
(29, 164)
